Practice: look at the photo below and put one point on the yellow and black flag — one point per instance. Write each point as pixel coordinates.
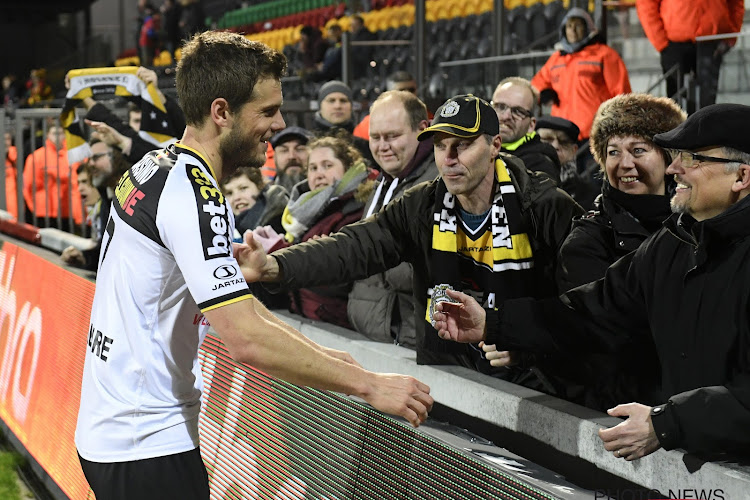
(122, 81)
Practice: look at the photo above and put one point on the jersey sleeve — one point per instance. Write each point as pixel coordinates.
(196, 225)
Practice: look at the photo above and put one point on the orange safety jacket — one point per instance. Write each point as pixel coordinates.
(11, 185)
(667, 21)
(583, 80)
(43, 200)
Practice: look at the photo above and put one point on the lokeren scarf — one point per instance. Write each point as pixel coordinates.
(97, 82)
(504, 267)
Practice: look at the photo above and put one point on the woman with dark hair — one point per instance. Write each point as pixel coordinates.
(635, 191)
(632, 205)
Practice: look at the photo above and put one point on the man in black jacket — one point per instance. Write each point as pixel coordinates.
(516, 103)
(487, 226)
(682, 294)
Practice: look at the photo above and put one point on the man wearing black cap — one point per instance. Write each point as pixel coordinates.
(290, 155)
(683, 292)
(486, 226)
(562, 134)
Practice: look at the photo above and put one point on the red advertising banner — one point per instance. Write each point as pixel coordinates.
(44, 316)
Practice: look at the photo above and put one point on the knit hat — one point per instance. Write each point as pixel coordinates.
(334, 86)
(463, 116)
(716, 125)
(641, 115)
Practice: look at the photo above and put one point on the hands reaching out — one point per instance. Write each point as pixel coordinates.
(462, 321)
(635, 437)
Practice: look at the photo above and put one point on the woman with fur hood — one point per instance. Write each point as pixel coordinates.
(582, 74)
(632, 205)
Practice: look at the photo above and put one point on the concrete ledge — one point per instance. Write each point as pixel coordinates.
(567, 427)
(57, 240)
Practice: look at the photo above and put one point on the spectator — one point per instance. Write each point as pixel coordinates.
(582, 184)
(634, 202)
(382, 307)
(192, 18)
(584, 73)
(47, 183)
(12, 91)
(516, 103)
(37, 90)
(170, 14)
(682, 296)
(332, 196)
(400, 80)
(672, 27)
(445, 229)
(361, 54)
(92, 201)
(148, 39)
(254, 202)
(312, 47)
(290, 155)
(335, 101)
(165, 250)
(330, 67)
(11, 177)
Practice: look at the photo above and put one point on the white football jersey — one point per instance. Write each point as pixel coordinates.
(166, 258)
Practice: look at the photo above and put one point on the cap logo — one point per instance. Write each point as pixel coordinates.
(450, 109)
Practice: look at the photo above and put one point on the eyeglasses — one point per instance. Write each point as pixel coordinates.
(517, 112)
(100, 155)
(689, 159)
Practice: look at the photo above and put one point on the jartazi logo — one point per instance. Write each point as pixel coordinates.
(225, 272)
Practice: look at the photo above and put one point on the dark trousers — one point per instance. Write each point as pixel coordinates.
(700, 59)
(180, 476)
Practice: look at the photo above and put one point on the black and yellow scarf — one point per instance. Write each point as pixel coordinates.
(492, 264)
(122, 81)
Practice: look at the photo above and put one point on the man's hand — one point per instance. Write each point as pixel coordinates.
(498, 358)
(110, 136)
(401, 395)
(635, 437)
(149, 76)
(73, 256)
(463, 321)
(254, 263)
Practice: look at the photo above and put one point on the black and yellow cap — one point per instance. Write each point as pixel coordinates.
(463, 116)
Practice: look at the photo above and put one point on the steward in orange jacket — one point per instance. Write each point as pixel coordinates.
(672, 26)
(46, 200)
(11, 174)
(581, 75)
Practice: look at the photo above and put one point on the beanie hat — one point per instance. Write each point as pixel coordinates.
(641, 115)
(334, 86)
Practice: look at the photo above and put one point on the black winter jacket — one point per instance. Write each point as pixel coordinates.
(684, 293)
(402, 232)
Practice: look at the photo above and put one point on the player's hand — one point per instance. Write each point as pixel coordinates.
(401, 395)
(73, 256)
(461, 321)
(251, 257)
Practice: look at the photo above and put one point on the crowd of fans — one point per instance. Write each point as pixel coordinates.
(352, 241)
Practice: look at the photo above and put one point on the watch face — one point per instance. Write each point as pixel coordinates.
(438, 296)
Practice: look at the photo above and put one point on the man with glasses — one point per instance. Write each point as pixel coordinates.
(516, 103)
(683, 292)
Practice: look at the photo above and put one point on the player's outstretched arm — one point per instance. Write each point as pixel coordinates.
(254, 336)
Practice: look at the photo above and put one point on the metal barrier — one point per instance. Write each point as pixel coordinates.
(29, 130)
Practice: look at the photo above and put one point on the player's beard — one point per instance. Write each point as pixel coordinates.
(238, 150)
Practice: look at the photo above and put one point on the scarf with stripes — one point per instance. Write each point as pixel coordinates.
(122, 81)
(492, 264)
